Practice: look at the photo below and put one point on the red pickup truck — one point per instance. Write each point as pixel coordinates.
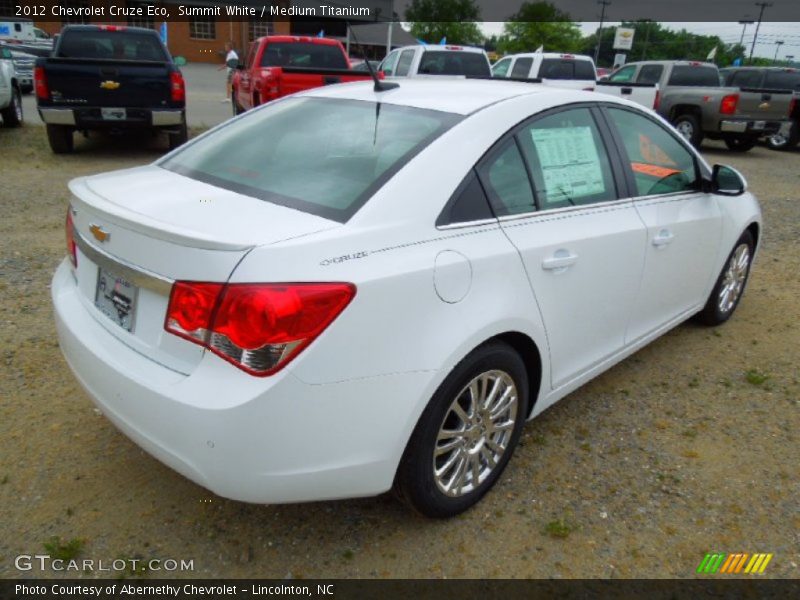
(279, 65)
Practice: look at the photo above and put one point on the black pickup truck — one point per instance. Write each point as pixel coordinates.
(109, 77)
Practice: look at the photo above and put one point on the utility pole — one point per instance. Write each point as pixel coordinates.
(646, 36)
(763, 6)
(778, 45)
(745, 23)
(603, 3)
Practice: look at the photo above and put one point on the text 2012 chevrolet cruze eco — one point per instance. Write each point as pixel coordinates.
(350, 290)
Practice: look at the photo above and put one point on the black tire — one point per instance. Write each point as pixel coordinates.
(12, 114)
(741, 143)
(688, 125)
(179, 137)
(415, 481)
(785, 142)
(60, 138)
(716, 312)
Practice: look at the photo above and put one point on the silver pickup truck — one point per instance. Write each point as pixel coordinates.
(692, 98)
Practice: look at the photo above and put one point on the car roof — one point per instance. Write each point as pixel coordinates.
(459, 96)
(445, 48)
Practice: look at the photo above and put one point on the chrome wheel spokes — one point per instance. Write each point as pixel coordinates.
(734, 278)
(475, 433)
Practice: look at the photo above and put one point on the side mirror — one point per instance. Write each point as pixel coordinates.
(727, 181)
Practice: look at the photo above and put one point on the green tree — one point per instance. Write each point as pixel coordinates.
(540, 24)
(455, 20)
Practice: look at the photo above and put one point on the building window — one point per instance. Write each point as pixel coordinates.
(257, 29)
(80, 19)
(140, 20)
(7, 8)
(202, 27)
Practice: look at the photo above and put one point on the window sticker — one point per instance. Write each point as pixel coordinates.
(570, 162)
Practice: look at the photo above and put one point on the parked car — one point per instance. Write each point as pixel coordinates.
(767, 79)
(10, 91)
(23, 65)
(16, 30)
(347, 290)
(279, 65)
(423, 60)
(109, 77)
(563, 70)
(692, 99)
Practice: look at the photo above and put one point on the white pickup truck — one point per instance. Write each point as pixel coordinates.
(424, 60)
(572, 71)
(10, 92)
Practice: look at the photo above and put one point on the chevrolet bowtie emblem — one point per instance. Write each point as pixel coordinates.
(763, 105)
(109, 85)
(100, 234)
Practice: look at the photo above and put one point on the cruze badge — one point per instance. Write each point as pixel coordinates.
(100, 234)
(109, 85)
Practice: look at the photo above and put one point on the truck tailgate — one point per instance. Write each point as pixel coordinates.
(298, 79)
(764, 105)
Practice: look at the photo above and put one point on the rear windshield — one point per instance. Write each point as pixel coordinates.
(111, 45)
(323, 156)
(303, 54)
(453, 62)
(694, 76)
(782, 80)
(559, 68)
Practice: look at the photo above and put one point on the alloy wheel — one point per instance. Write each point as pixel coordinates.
(685, 129)
(734, 279)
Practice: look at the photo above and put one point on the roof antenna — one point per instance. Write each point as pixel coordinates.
(380, 86)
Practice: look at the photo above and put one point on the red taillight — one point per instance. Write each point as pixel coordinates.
(657, 100)
(177, 87)
(72, 251)
(257, 327)
(792, 105)
(40, 81)
(111, 27)
(728, 104)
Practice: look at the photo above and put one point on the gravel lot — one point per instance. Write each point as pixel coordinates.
(690, 446)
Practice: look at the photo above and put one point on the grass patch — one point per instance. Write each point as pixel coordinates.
(63, 550)
(559, 528)
(755, 377)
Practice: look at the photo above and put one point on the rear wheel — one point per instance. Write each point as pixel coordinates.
(779, 141)
(12, 114)
(60, 138)
(179, 137)
(730, 284)
(688, 126)
(467, 434)
(741, 143)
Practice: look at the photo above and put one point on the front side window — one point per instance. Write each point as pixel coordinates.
(500, 69)
(506, 181)
(568, 160)
(624, 75)
(659, 162)
(323, 156)
(522, 68)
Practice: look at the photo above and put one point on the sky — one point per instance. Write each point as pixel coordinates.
(730, 33)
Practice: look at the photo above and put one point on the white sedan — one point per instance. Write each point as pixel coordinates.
(350, 290)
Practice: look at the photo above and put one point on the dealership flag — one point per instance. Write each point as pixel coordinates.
(712, 54)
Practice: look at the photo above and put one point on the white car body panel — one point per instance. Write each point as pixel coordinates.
(392, 59)
(335, 421)
(534, 72)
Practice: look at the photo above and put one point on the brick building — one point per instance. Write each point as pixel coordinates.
(201, 37)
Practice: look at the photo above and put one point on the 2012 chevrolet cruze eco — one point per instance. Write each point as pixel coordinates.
(349, 290)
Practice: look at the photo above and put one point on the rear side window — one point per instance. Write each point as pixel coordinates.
(111, 45)
(568, 160)
(323, 156)
(469, 203)
(522, 68)
(500, 69)
(691, 75)
(782, 80)
(404, 64)
(660, 163)
(302, 54)
(650, 74)
(453, 62)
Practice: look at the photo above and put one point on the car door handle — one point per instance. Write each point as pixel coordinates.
(664, 238)
(626, 91)
(559, 261)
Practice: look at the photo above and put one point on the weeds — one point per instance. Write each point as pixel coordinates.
(63, 550)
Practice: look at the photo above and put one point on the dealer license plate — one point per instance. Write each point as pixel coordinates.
(759, 124)
(116, 298)
(113, 114)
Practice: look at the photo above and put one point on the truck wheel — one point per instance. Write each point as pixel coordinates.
(179, 137)
(60, 138)
(689, 127)
(12, 115)
(785, 142)
(740, 143)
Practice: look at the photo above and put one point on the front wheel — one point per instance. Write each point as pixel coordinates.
(467, 434)
(730, 284)
(741, 144)
(12, 114)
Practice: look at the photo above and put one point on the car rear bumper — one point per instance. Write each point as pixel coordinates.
(754, 127)
(92, 118)
(264, 440)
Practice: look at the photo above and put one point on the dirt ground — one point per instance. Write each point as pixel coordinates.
(690, 446)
